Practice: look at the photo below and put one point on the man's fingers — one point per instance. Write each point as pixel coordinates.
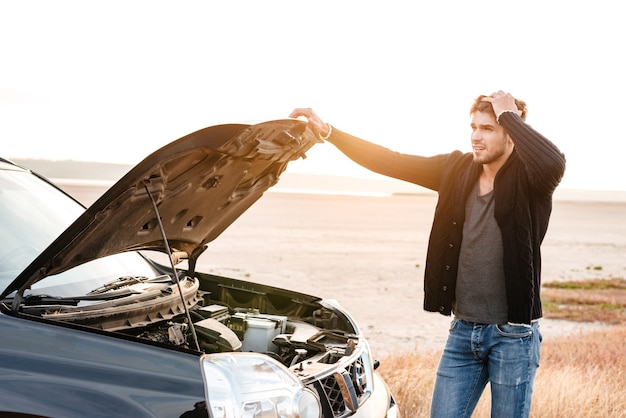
(302, 111)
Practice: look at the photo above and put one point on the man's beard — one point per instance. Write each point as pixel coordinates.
(491, 155)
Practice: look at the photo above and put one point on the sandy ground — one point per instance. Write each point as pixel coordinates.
(369, 252)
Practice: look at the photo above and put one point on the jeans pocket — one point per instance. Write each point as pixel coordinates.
(453, 324)
(514, 331)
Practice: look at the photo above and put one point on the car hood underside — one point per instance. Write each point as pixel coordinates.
(200, 184)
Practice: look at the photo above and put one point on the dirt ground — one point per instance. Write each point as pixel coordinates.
(369, 252)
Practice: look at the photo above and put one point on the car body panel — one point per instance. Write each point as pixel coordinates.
(60, 370)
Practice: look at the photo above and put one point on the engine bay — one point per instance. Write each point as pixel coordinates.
(227, 315)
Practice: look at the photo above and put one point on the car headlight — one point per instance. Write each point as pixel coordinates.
(250, 385)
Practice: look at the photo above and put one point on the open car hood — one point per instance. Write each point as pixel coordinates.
(200, 183)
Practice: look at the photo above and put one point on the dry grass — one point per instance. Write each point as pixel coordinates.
(588, 300)
(580, 376)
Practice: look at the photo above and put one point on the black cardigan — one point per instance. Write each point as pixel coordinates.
(523, 190)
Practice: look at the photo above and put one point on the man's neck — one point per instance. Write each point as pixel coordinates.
(488, 175)
(485, 182)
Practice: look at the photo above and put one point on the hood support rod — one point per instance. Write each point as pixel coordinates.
(169, 254)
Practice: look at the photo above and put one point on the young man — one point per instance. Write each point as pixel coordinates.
(484, 261)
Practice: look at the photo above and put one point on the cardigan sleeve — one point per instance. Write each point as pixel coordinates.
(424, 171)
(544, 162)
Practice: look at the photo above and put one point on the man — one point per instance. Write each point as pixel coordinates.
(484, 261)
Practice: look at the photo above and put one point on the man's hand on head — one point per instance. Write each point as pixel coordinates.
(502, 102)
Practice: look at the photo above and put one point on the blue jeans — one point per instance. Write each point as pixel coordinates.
(506, 356)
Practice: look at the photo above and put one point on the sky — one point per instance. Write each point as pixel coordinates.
(114, 80)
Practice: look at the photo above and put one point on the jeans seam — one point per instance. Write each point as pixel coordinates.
(477, 379)
(525, 334)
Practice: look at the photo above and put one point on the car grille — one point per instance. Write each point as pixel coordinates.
(343, 391)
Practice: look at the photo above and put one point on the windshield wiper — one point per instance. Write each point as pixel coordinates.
(33, 300)
(128, 281)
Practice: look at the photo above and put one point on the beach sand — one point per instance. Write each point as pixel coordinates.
(369, 253)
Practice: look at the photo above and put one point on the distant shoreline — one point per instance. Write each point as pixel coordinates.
(90, 174)
(561, 195)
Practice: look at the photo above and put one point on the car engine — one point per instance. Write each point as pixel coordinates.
(153, 309)
(314, 338)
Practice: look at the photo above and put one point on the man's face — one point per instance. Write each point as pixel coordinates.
(490, 142)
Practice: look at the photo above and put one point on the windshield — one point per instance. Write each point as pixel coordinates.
(33, 213)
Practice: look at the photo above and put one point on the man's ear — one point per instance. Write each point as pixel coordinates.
(509, 140)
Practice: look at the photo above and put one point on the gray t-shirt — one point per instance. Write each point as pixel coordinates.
(480, 286)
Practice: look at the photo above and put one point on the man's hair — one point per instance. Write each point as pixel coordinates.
(480, 106)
